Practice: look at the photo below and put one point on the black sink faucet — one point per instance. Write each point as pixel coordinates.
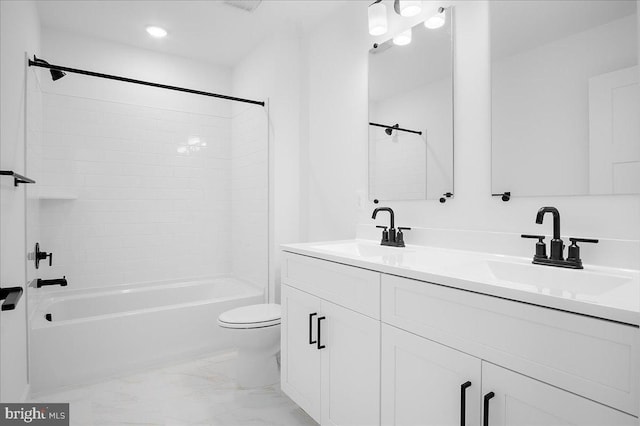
(385, 209)
(389, 237)
(557, 246)
(556, 258)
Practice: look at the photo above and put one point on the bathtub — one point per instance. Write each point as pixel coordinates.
(97, 333)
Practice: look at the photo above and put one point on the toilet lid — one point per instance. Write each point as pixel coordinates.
(262, 315)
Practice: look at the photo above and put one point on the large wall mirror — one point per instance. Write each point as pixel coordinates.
(565, 97)
(411, 116)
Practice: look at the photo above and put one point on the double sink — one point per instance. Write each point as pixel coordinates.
(604, 292)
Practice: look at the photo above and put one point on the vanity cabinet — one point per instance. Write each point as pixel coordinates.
(330, 359)
(299, 356)
(522, 401)
(428, 354)
(426, 383)
(591, 357)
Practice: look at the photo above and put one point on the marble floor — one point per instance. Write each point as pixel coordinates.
(200, 392)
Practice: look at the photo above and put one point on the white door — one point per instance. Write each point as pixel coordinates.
(350, 367)
(300, 356)
(521, 401)
(614, 132)
(423, 382)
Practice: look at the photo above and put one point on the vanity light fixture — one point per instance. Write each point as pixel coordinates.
(377, 18)
(403, 38)
(156, 32)
(437, 20)
(408, 8)
(378, 14)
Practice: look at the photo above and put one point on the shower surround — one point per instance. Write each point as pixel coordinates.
(140, 185)
(132, 193)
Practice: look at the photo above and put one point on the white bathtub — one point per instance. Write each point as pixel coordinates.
(98, 333)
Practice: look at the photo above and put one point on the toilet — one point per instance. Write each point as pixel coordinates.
(256, 334)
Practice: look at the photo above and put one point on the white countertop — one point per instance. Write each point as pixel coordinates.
(598, 291)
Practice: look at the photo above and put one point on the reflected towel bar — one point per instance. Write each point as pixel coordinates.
(395, 127)
(16, 177)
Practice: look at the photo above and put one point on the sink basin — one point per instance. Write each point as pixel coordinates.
(557, 281)
(360, 249)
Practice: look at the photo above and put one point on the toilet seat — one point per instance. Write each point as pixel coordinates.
(252, 316)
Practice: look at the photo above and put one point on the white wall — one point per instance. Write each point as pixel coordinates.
(273, 71)
(19, 33)
(337, 169)
(541, 112)
(336, 163)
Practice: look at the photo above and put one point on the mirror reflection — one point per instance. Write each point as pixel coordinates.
(565, 97)
(411, 115)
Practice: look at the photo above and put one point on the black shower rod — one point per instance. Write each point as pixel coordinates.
(43, 64)
(395, 127)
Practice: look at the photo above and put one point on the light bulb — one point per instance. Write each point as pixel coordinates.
(403, 38)
(410, 8)
(436, 21)
(377, 19)
(156, 32)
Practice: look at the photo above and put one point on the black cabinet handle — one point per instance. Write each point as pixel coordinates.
(311, 341)
(320, 345)
(463, 402)
(487, 397)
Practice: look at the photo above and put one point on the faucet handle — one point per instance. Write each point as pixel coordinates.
(400, 235)
(583, 240)
(574, 250)
(541, 248)
(385, 234)
(539, 237)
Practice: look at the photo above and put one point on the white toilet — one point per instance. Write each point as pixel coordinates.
(256, 330)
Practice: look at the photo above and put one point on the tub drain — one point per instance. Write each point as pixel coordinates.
(47, 317)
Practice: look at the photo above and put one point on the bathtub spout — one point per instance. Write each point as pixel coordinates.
(59, 281)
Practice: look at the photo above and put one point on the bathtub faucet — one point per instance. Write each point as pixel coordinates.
(58, 281)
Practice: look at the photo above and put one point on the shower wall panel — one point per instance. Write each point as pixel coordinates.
(133, 193)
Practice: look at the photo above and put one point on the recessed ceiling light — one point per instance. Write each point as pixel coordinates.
(156, 32)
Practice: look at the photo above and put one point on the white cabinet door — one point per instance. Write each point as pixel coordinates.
(300, 358)
(518, 400)
(350, 367)
(423, 382)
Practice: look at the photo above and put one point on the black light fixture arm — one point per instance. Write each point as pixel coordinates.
(44, 64)
(395, 127)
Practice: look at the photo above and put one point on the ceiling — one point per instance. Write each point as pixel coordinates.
(206, 30)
